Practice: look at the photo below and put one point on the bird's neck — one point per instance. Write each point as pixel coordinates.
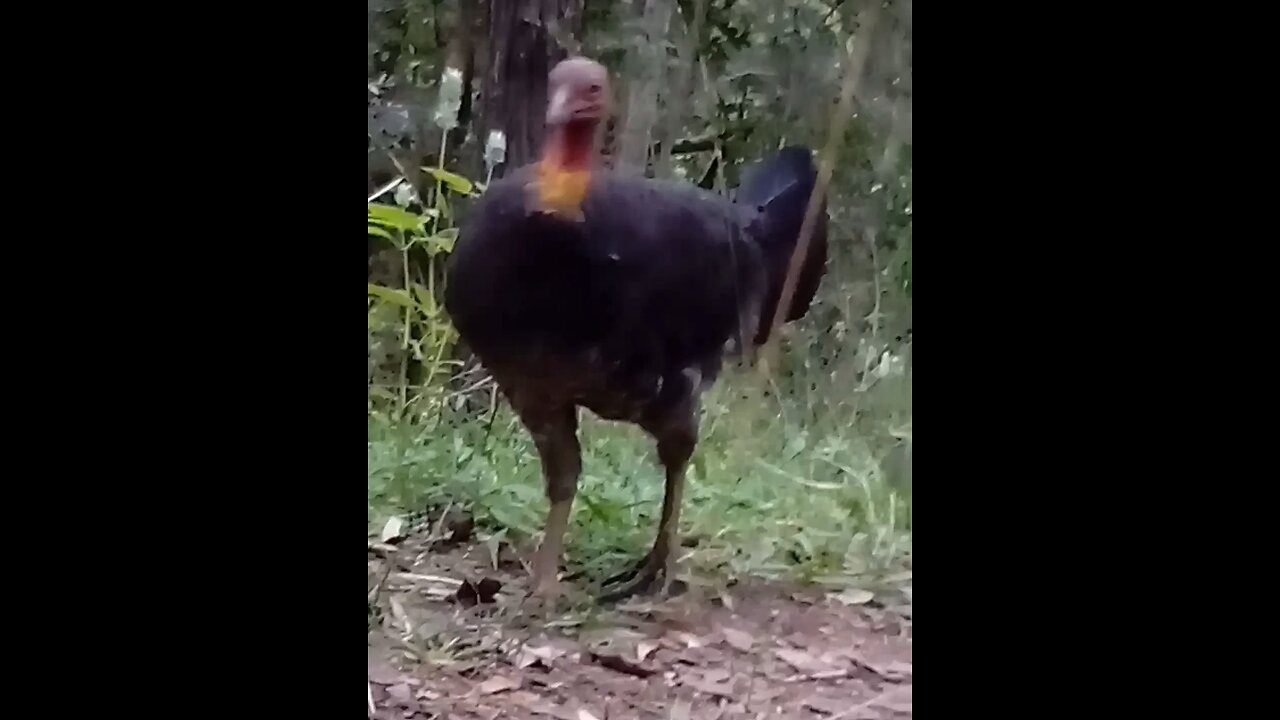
(571, 146)
(564, 170)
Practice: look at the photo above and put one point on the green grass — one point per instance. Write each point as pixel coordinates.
(806, 478)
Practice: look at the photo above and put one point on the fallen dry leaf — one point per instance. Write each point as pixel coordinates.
(801, 661)
(730, 710)
(382, 672)
(863, 664)
(524, 659)
(643, 648)
(533, 703)
(497, 684)
(584, 714)
(899, 702)
(392, 530)
(704, 657)
(470, 595)
(830, 706)
(854, 596)
(896, 700)
(714, 675)
(766, 694)
(546, 652)
(738, 639)
(689, 639)
(531, 654)
(619, 664)
(546, 682)
(680, 710)
(827, 674)
(398, 612)
(724, 690)
(400, 693)
(898, 667)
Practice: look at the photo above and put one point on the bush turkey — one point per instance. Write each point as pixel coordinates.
(580, 287)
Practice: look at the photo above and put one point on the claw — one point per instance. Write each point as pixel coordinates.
(543, 600)
(547, 589)
(629, 573)
(643, 577)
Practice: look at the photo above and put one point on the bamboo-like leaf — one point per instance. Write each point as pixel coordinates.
(392, 295)
(443, 241)
(455, 181)
(426, 303)
(394, 217)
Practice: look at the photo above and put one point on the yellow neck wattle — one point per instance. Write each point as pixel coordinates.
(560, 190)
(564, 173)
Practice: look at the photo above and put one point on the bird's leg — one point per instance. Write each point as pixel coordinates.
(675, 447)
(546, 562)
(557, 440)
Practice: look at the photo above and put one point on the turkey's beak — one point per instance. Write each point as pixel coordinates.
(560, 108)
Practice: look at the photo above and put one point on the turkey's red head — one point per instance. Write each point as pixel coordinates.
(577, 104)
(577, 93)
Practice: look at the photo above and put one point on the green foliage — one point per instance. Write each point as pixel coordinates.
(426, 336)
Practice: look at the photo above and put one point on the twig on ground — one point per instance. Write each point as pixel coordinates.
(420, 577)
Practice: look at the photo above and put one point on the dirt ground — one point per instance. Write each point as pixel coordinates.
(451, 636)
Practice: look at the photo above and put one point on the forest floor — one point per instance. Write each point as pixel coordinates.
(451, 637)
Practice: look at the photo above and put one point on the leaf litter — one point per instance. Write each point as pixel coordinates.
(770, 651)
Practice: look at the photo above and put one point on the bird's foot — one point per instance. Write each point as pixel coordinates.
(543, 599)
(547, 588)
(546, 562)
(639, 579)
(631, 572)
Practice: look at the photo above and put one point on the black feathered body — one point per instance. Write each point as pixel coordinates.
(628, 311)
(779, 187)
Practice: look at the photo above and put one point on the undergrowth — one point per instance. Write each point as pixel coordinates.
(812, 483)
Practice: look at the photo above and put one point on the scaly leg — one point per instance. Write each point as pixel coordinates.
(546, 562)
(555, 434)
(676, 441)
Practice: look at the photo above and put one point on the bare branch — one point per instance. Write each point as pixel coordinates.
(826, 165)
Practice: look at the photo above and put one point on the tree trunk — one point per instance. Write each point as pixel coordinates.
(646, 74)
(526, 39)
